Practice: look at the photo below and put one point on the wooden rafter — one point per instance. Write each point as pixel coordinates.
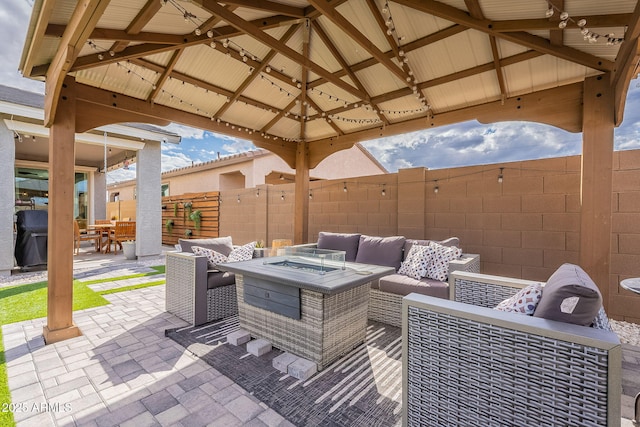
(593, 21)
(144, 16)
(165, 75)
(82, 22)
(125, 104)
(334, 16)
(200, 83)
(556, 35)
(330, 122)
(268, 6)
(345, 66)
(530, 41)
(280, 115)
(476, 11)
(38, 35)
(256, 33)
(263, 64)
(479, 69)
(561, 107)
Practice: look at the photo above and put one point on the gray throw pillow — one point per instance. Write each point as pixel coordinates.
(570, 296)
(381, 250)
(340, 242)
(218, 244)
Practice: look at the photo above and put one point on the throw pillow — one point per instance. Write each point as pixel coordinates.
(438, 268)
(340, 242)
(524, 301)
(242, 253)
(222, 245)
(380, 250)
(602, 321)
(570, 296)
(417, 261)
(213, 257)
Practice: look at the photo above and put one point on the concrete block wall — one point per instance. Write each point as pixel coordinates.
(625, 233)
(363, 208)
(524, 227)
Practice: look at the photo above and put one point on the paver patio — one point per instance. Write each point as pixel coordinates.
(124, 371)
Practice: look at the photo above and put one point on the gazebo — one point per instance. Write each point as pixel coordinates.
(305, 79)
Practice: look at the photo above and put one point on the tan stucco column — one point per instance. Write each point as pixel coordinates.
(301, 211)
(596, 184)
(60, 227)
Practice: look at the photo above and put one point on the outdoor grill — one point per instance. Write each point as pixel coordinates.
(31, 238)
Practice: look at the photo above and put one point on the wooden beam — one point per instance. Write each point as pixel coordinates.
(627, 64)
(145, 15)
(90, 116)
(530, 41)
(400, 93)
(498, 67)
(81, 24)
(341, 22)
(256, 72)
(108, 34)
(165, 75)
(280, 115)
(36, 37)
(126, 104)
(262, 37)
(60, 324)
(542, 24)
(269, 6)
(560, 107)
(596, 185)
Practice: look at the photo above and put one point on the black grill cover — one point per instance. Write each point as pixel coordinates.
(31, 238)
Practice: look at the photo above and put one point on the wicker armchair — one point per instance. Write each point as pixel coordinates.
(467, 364)
(187, 293)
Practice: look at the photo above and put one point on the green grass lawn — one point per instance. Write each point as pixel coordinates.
(26, 302)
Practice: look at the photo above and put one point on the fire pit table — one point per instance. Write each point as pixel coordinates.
(309, 302)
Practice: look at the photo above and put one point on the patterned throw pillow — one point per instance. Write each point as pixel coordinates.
(601, 321)
(524, 301)
(418, 258)
(213, 258)
(242, 253)
(438, 268)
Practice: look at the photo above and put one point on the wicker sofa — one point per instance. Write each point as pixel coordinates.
(385, 296)
(465, 364)
(194, 293)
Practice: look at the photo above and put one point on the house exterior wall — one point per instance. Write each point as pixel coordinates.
(218, 176)
(524, 227)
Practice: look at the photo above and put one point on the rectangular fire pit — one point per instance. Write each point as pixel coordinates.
(314, 308)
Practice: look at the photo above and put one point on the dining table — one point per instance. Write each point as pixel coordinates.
(105, 231)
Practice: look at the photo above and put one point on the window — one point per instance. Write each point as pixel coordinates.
(165, 190)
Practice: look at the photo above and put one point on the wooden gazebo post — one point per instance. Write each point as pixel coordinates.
(596, 185)
(60, 227)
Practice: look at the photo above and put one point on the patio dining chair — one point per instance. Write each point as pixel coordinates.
(88, 236)
(123, 231)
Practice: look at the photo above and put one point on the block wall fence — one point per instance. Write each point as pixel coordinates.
(525, 226)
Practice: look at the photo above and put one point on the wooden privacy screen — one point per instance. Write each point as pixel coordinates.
(182, 211)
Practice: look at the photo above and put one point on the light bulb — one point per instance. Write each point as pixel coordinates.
(198, 31)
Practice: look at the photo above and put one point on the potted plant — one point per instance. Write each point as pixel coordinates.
(196, 217)
(175, 209)
(169, 226)
(188, 233)
(187, 209)
(129, 249)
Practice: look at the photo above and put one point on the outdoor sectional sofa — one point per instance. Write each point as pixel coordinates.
(467, 364)
(385, 297)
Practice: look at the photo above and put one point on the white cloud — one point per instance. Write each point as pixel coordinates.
(185, 131)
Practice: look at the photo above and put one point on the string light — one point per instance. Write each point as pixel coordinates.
(500, 176)
(588, 35)
(436, 188)
(344, 188)
(384, 191)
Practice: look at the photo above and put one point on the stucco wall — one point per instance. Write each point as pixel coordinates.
(524, 227)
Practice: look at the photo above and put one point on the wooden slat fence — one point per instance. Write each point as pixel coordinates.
(176, 209)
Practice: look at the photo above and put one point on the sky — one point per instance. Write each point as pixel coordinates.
(463, 144)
